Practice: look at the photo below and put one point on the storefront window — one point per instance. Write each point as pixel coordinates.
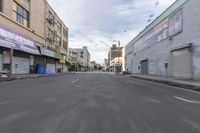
(20, 14)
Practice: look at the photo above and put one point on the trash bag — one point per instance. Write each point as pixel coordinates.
(41, 69)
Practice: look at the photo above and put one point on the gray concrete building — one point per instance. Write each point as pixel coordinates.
(86, 57)
(170, 45)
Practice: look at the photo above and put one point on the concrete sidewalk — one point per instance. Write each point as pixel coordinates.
(28, 76)
(187, 84)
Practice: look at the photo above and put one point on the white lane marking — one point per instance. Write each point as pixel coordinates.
(74, 81)
(186, 100)
(193, 124)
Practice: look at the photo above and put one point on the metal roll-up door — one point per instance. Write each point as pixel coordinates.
(58, 66)
(65, 68)
(1, 62)
(51, 67)
(182, 63)
(20, 65)
(144, 67)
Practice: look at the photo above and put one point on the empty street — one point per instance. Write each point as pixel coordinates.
(96, 103)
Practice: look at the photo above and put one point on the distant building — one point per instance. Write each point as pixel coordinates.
(105, 65)
(73, 59)
(80, 56)
(116, 64)
(113, 53)
(86, 57)
(93, 65)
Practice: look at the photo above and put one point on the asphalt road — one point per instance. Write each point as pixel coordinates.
(96, 103)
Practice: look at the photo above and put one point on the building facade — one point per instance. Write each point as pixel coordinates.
(80, 57)
(170, 45)
(114, 52)
(86, 57)
(93, 65)
(105, 65)
(116, 64)
(74, 60)
(83, 56)
(25, 39)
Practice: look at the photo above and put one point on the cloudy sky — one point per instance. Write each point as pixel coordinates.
(97, 23)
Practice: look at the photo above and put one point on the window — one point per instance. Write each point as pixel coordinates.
(65, 33)
(59, 26)
(50, 34)
(81, 56)
(176, 23)
(20, 14)
(65, 45)
(1, 5)
(50, 16)
(59, 41)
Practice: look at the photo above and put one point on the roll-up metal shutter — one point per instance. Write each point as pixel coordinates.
(1, 62)
(51, 67)
(51, 64)
(65, 68)
(182, 63)
(144, 67)
(58, 65)
(20, 65)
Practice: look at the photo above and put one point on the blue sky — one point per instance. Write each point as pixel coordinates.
(96, 23)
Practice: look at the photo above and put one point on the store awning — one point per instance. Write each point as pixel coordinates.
(13, 40)
(50, 53)
(57, 55)
(47, 52)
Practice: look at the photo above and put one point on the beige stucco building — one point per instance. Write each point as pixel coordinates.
(31, 33)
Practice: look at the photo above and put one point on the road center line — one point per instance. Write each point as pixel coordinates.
(186, 100)
(74, 81)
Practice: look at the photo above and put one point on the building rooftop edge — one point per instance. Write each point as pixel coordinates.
(162, 16)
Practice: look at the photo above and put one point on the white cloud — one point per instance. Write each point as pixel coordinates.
(96, 23)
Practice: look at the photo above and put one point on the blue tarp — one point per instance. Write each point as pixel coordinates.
(41, 69)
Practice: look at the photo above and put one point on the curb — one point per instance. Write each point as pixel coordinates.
(7, 79)
(31, 77)
(171, 83)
